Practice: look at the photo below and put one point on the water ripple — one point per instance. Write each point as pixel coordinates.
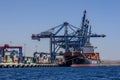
(61, 73)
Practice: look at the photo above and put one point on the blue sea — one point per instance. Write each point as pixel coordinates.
(61, 73)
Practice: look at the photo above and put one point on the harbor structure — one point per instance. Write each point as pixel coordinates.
(73, 41)
(69, 46)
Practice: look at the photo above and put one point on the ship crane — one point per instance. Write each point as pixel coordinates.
(67, 37)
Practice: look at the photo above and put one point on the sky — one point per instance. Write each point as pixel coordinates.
(19, 19)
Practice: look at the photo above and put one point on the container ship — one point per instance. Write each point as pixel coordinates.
(75, 59)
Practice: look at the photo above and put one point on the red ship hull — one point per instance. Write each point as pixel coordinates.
(77, 59)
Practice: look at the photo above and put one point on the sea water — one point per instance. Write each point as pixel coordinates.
(61, 73)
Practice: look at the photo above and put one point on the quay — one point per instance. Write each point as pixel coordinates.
(21, 65)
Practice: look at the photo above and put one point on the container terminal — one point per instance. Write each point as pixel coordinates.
(69, 46)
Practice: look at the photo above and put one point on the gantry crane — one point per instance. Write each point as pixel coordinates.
(4, 49)
(68, 37)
